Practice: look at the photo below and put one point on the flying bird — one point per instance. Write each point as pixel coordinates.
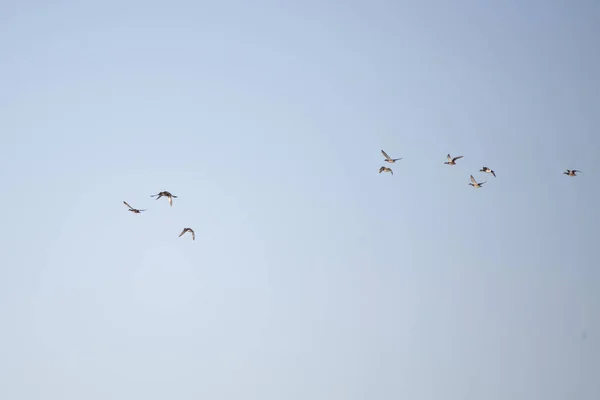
(389, 159)
(133, 210)
(386, 169)
(488, 170)
(474, 183)
(188, 230)
(571, 172)
(452, 161)
(165, 194)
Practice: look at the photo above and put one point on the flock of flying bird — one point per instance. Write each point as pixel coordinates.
(388, 159)
(452, 161)
(158, 196)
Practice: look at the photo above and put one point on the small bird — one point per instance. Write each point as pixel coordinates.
(388, 159)
(474, 183)
(386, 169)
(488, 170)
(165, 194)
(452, 161)
(133, 210)
(188, 230)
(571, 172)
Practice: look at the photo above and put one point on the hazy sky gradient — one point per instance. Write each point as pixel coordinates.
(312, 276)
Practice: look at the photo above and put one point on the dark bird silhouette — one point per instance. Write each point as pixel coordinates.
(165, 194)
(488, 170)
(571, 172)
(188, 230)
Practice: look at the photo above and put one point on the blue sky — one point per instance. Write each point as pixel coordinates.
(312, 276)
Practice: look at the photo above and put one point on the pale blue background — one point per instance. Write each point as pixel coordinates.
(312, 276)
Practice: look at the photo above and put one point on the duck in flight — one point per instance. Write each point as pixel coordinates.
(389, 159)
(165, 194)
(386, 169)
(488, 170)
(571, 172)
(474, 183)
(452, 161)
(133, 210)
(188, 230)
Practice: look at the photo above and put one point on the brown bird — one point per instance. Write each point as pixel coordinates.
(188, 230)
(571, 172)
(165, 194)
(389, 159)
(133, 210)
(452, 161)
(474, 183)
(386, 169)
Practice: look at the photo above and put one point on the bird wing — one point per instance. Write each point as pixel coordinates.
(493, 173)
(397, 159)
(182, 232)
(193, 234)
(381, 169)
(171, 201)
(385, 155)
(473, 180)
(124, 202)
(456, 158)
(449, 158)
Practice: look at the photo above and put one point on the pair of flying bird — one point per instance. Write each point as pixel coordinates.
(390, 160)
(158, 196)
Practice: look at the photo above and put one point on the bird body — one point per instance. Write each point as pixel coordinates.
(488, 170)
(165, 194)
(188, 230)
(386, 169)
(389, 159)
(452, 161)
(133, 210)
(475, 184)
